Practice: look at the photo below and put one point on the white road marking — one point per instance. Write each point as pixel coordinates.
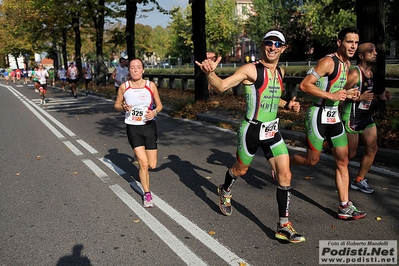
(72, 148)
(159, 229)
(41, 118)
(87, 146)
(216, 247)
(97, 170)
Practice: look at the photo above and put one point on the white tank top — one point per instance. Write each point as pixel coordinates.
(142, 100)
(41, 75)
(73, 71)
(121, 74)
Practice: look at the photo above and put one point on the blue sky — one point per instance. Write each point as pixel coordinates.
(155, 18)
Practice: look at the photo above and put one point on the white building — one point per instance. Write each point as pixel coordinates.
(244, 9)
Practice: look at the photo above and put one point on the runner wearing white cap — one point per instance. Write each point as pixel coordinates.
(263, 85)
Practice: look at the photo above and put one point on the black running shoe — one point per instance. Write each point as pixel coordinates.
(224, 202)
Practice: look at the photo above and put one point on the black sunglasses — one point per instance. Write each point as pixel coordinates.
(278, 44)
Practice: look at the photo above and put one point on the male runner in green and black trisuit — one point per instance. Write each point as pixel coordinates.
(263, 84)
(325, 82)
(356, 114)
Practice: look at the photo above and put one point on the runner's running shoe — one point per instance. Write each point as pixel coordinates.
(349, 211)
(147, 200)
(288, 233)
(224, 201)
(363, 186)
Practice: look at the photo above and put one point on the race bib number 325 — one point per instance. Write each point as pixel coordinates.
(136, 114)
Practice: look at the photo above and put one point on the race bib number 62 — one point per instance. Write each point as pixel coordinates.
(330, 115)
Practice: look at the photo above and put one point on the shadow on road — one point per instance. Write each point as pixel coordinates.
(75, 259)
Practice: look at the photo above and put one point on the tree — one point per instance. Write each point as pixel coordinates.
(199, 40)
(222, 27)
(374, 31)
(161, 41)
(286, 16)
(392, 21)
(98, 14)
(78, 42)
(18, 38)
(131, 11)
(324, 20)
(143, 42)
(181, 37)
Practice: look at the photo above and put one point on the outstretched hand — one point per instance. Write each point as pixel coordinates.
(207, 66)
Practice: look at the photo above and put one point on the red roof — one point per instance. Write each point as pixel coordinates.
(47, 61)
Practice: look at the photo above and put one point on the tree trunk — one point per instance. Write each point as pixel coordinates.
(101, 70)
(371, 25)
(55, 57)
(64, 47)
(78, 44)
(199, 40)
(131, 11)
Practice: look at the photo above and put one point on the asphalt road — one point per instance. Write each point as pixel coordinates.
(69, 193)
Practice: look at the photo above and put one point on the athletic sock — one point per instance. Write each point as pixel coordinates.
(283, 220)
(343, 203)
(283, 200)
(229, 181)
(358, 179)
